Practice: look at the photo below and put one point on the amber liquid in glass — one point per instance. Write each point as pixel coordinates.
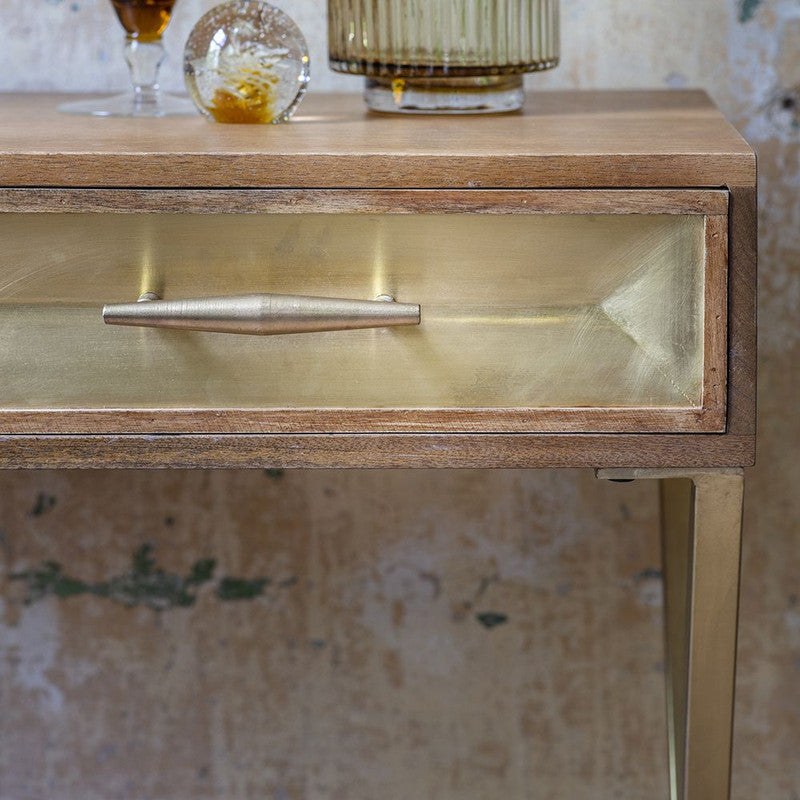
(144, 20)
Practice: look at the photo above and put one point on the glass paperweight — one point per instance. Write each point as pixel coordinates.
(246, 61)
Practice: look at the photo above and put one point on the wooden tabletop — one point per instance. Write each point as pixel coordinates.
(561, 139)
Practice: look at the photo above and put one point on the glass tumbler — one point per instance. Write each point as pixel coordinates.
(443, 56)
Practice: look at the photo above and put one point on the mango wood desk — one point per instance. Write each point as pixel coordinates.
(569, 287)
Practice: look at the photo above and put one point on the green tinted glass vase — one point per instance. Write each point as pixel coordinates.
(443, 56)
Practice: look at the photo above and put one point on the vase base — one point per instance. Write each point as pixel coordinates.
(491, 94)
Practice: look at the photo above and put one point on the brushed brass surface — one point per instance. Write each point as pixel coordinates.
(702, 518)
(261, 314)
(712, 625)
(522, 311)
(676, 513)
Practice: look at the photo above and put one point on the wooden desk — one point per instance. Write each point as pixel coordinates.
(586, 278)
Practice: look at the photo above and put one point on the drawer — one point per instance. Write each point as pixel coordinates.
(550, 310)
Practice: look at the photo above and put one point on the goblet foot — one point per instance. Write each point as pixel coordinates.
(129, 105)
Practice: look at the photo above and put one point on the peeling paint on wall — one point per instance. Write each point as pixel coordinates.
(747, 9)
(144, 584)
(44, 503)
(491, 619)
(241, 589)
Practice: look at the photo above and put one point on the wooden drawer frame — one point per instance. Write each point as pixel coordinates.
(707, 417)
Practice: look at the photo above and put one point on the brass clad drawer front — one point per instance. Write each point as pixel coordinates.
(550, 310)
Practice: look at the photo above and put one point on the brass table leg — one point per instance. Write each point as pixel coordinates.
(701, 517)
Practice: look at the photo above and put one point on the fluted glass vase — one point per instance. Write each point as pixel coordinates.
(440, 56)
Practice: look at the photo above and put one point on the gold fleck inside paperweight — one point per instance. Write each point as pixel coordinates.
(443, 56)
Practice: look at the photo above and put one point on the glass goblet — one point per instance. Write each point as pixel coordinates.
(144, 22)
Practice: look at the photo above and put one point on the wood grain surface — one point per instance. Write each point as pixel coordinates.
(376, 451)
(742, 311)
(367, 201)
(715, 378)
(228, 421)
(562, 139)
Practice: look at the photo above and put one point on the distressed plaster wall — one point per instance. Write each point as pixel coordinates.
(417, 634)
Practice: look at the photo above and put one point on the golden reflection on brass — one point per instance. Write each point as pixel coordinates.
(701, 529)
(379, 279)
(519, 310)
(676, 514)
(152, 277)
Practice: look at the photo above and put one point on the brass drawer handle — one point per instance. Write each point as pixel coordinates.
(262, 314)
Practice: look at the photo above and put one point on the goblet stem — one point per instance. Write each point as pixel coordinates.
(144, 60)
